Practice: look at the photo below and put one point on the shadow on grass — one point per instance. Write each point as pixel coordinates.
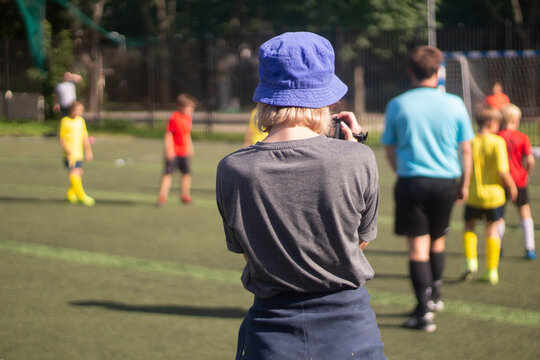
(392, 320)
(176, 190)
(379, 275)
(403, 253)
(63, 201)
(220, 312)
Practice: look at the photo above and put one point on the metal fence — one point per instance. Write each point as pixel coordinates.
(141, 83)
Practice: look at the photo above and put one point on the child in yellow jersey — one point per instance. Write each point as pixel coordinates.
(252, 134)
(74, 141)
(490, 175)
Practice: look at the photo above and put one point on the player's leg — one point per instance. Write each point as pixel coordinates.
(421, 278)
(527, 223)
(412, 222)
(437, 262)
(166, 180)
(470, 243)
(441, 199)
(75, 178)
(71, 196)
(186, 188)
(501, 229)
(184, 165)
(165, 186)
(493, 246)
(420, 269)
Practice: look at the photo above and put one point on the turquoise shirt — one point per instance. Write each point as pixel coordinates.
(426, 127)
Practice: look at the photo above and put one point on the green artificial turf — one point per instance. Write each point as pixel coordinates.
(127, 280)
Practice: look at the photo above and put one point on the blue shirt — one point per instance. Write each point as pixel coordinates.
(426, 127)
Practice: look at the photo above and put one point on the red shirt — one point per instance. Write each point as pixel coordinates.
(498, 101)
(518, 146)
(180, 127)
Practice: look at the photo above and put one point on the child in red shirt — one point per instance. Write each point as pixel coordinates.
(178, 149)
(521, 162)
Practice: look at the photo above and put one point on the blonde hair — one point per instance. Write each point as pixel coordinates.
(268, 116)
(485, 113)
(510, 114)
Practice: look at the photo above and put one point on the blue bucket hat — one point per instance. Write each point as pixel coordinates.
(297, 69)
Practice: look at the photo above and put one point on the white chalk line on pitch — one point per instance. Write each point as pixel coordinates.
(106, 196)
(471, 310)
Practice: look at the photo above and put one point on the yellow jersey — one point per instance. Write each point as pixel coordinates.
(256, 134)
(489, 159)
(73, 131)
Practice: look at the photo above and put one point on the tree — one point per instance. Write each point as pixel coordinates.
(160, 24)
(488, 12)
(93, 59)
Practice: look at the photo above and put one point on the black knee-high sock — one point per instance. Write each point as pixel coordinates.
(437, 262)
(421, 280)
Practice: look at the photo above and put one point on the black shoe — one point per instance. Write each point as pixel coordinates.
(435, 304)
(423, 323)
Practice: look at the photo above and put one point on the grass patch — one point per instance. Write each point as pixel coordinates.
(15, 127)
(125, 279)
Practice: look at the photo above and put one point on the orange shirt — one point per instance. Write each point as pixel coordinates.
(498, 101)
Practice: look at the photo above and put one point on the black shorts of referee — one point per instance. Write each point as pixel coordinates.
(424, 205)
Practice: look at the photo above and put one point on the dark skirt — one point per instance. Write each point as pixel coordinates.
(323, 326)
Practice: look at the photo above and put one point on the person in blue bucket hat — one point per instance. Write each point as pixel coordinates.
(301, 207)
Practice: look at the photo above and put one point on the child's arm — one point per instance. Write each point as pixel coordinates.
(169, 146)
(65, 146)
(509, 184)
(529, 163)
(88, 155)
(191, 148)
(466, 165)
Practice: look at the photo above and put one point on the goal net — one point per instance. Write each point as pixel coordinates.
(33, 13)
(470, 75)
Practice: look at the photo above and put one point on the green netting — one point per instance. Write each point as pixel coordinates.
(112, 36)
(33, 12)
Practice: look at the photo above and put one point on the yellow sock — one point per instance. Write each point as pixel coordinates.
(493, 249)
(71, 196)
(76, 185)
(470, 243)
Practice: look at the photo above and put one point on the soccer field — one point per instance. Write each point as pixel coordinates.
(127, 280)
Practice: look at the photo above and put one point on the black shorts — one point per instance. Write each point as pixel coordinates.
(76, 164)
(424, 205)
(522, 197)
(472, 213)
(182, 163)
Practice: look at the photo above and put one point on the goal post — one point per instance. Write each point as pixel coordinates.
(471, 75)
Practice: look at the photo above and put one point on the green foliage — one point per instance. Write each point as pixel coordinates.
(468, 13)
(60, 55)
(127, 127)
(60, 58)
(17, 127)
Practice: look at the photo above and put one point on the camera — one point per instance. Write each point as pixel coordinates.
(338, 134)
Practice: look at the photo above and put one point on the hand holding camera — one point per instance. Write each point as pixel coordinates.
(346, 127)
